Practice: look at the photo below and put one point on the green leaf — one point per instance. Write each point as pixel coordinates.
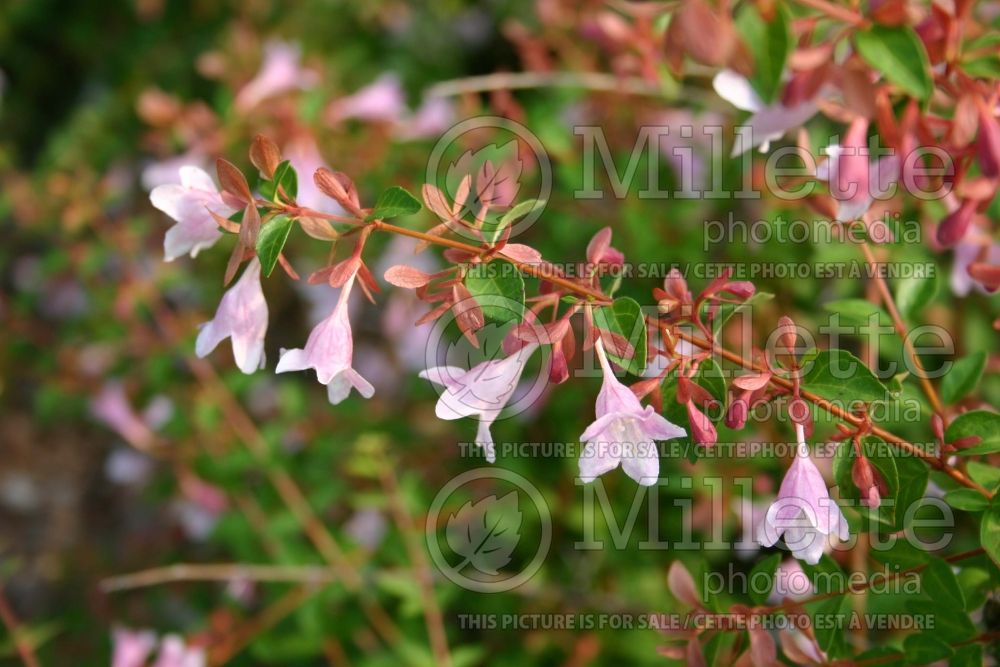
(286, 177)
(840, 376)
(271, 241)
(970, 655)
(984, 473)
(985, 67)
(948, 625)
(914, 293)
(763, 572)
(963, 376)
(857, 311)
(624, 317)
(913, 477)
(939, 583)
(967, 500)
(727, 310)
(989, 531)
(392, 203)
(923, 649)
(498, 288)
(898, 53)
(984, 424)
(493, 232)
(769, 43)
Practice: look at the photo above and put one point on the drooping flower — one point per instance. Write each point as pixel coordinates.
(280, 72)
(383, 100)
(189, 204)
(330, 351)
(803, 512)
(975, 247)
(624, 432)
(112, 406)
(131, 648)
(768, 122)
(242, 317)
(854, 181)
(482, 391)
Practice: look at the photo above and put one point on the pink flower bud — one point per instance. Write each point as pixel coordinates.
(736, 415)
(702, 429)
(988, 144)
(851, 184)
(863, 476)
(953, 228)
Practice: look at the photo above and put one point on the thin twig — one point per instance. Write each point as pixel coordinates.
(24, 649)
(268, 618)
(421, 567)
(594, 81)
(901, 330)
(187, 572)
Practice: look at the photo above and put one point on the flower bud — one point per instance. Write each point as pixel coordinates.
(953, 228)
(736, 415)
(863, 476)
(702, 430)
(988, 143)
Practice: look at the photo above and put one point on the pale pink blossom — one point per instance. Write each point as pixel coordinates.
(482, 391)
(241, 317)
(175, 653)
(280, 72)
(431, 119)
(112, 406)
(164, 172)
(624, 432)
(304, 156)
(189, 204)
(882, 178)
(973, 247)
(131, 648)
(768, 122)
(330, 350)
(382, 100)
(803, 512)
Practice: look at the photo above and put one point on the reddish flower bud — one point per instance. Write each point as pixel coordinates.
(702, 430)
(988, 143)
(863, 476)
(739, 409)
(953, 228)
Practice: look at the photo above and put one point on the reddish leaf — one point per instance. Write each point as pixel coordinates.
(402, 275)
(264, 155)
(233, 181)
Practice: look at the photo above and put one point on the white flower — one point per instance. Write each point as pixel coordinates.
(242, 317)
(189, 204)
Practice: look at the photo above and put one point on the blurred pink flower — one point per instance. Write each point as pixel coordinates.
(329, 350)
(131, 648)
(111, 406)
(279, 72)
(242, 317)
(803, 511)
(431, 119)
(175, 653)
(189, 204)
(482, 391)
(304, 155)
(382, 100)
(968, 250)
(768, 122)
(164, 172)
(790, 581)
(624, 432)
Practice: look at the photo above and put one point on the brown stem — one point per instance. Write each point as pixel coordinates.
(901, 330)
(268, 618)
(186, 572)
(840, 413)
(9, 618)
(422, 568)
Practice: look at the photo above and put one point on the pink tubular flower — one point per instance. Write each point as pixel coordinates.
(803, 511)
(768, 122)
(242, 317)
(623, 432)
(482, 391)
(279, 72)
(174, 653)
(382, 100)
(189, 204)
(330, 351)
(131, 648)
(112, 407)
